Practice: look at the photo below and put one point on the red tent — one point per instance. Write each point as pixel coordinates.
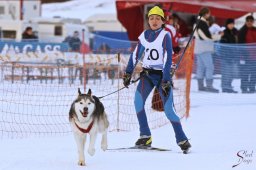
(130, 12)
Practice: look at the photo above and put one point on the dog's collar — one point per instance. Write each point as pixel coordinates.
(85, 130)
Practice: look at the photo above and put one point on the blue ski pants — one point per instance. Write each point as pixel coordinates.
(145, 86)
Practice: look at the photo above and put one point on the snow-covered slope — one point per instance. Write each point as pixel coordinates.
(220, 127)
(81, 9)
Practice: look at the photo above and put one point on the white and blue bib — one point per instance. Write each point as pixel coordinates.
(154, 55)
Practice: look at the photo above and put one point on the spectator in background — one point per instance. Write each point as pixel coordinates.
(104, 48)
(28, 35)
(228, 60)
(182, 26)
(247, 34)
(214, 28)
(173, 28)
(67, 39)
(74, 42)
(204, 49)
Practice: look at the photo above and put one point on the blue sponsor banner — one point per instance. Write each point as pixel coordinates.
(26, 46)
(112, 41)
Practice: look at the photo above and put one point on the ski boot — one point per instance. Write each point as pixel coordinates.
(184, 145)
(144, 141)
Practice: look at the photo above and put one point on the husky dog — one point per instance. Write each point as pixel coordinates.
(87, 115)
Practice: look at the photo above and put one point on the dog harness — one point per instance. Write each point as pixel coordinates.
(85, 130)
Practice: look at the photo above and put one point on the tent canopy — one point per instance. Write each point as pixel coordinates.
(131, 12)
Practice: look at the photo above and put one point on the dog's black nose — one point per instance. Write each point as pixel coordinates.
(86, 109)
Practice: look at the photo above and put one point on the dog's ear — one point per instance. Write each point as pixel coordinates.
(89, 92)
(99, 108)
(79, 92)
(71, 112)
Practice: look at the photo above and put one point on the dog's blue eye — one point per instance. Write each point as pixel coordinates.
(81, 102)
(89, 103)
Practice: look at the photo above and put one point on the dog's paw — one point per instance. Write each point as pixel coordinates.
(104, 147)
(91, 151)
(81, 163)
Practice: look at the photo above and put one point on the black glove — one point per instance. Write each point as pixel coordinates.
(166, 86)
(126, 79)
(176, 50)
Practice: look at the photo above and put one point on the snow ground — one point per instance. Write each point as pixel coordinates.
(81, 9)
(220, 125)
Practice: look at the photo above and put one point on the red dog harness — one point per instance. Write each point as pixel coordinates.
(85, 130)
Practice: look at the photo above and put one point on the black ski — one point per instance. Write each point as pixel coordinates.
(149, 148)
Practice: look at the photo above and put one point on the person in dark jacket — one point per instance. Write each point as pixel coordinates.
(75, 42)
(204, 50)
(228, 59)
(28, 35)
(247, 34)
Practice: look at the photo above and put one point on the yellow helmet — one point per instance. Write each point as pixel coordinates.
(156, 11)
